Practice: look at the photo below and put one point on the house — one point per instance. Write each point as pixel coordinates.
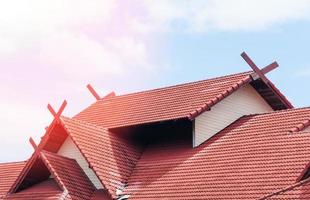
(230, 137)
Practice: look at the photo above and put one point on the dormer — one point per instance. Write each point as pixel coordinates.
(211, 105)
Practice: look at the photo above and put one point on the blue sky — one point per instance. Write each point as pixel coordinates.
(49, 52)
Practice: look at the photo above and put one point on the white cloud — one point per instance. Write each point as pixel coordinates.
(74, 37)
(78, 55)
(35, 17)
(226, 15)
(50, 48)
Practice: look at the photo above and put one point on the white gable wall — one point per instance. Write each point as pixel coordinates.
(244, 101)
(70, 150)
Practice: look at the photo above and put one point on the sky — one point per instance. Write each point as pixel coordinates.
(50, 51)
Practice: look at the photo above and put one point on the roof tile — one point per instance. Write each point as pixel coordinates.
(8, 174)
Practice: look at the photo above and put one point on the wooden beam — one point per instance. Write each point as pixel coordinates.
(59, 112)
(93, 92)
(61, 109)
(261, 75)
(51, 109)
(34, 145)
(111, 94)
(270, 67)
(38, 148)
(254, 67)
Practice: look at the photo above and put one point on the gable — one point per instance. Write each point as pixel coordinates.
(60, 175)
(70, 150)
(111, 156)
(244, 101)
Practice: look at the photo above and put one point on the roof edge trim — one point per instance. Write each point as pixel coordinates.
(52, 171)
(220, 97)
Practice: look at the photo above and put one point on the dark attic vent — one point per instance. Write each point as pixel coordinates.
(37, 174)
(268, 95)
(156, 133)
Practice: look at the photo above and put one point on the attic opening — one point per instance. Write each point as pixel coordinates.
(268, 95)
(157, 133)
(38, 175)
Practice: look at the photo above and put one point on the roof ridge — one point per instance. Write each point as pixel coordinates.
(85, 123)
(176, 85)
(285, 189)
(14, 162)
(277, 111)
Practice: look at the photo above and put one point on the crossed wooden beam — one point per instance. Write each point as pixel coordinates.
(260, 73)
(61, 109)
(96, 95)
(56, 118)
(38, 148)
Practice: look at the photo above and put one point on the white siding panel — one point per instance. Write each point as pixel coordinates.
(244, 101)
(70, 150)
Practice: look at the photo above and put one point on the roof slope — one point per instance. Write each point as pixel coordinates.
(162, 104)
(8, 174)
(114, 162)
(251, 158)
(69, 174)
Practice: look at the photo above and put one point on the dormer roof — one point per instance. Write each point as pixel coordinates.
(184, 101)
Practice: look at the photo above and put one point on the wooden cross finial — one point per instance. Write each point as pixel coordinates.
(111, 94)
(34, 145)
(260, 72)
(93, 92)
(61, 109)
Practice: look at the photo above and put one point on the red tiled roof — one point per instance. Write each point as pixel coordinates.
(253, 157)
(69, 175)
(250, 159)
(101, 195)
(299, 190)
(175, 102)
(46, 190)
(111, 157)
(8, 174)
